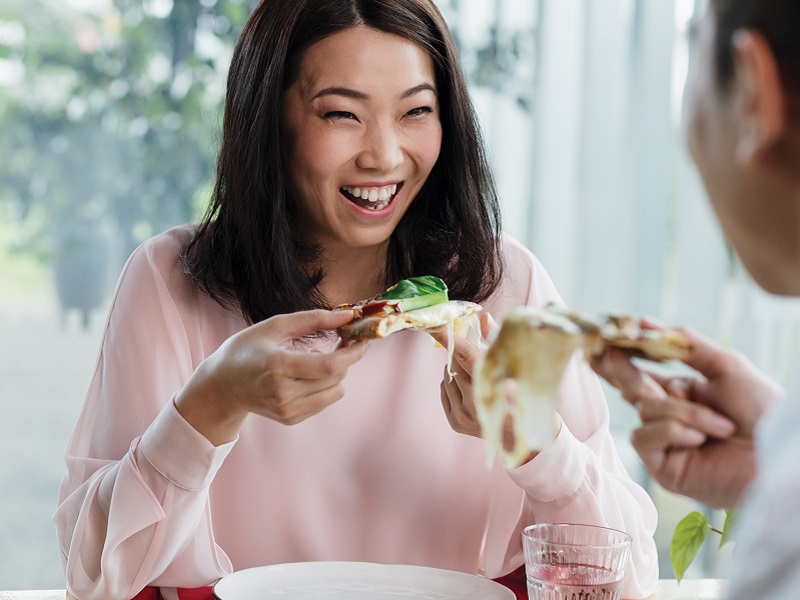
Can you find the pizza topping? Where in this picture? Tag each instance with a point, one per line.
(406, 295)
(519, 375)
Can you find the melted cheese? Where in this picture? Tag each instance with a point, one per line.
(468, 327)
(518, 378)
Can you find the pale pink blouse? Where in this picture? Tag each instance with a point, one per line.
(379, 476)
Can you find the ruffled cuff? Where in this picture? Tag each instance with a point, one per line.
(181, 453)
(556, 472)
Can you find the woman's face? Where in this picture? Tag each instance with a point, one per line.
(362, 132)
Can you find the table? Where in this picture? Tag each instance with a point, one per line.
(668, 589)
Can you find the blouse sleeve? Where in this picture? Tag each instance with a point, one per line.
(579, 478)
(133, 504)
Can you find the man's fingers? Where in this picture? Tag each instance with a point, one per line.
(688, 413)
(656, 437)
(616, 368)
(708, 357)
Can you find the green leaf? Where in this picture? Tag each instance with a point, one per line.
(416, 292)
(687, 538)
(731, 517)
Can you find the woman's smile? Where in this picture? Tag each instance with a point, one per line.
(362, 132)
(372, 198)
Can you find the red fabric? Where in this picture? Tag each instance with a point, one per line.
(514, 581)
(202, 593)
(148, 593)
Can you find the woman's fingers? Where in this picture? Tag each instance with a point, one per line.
(456, 396)
(283, 328)
(316, 365)
(465, 353)
(457, 393)
(463, 385)
(310, 404)
(488, 325)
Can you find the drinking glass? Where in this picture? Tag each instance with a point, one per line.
(565, 561)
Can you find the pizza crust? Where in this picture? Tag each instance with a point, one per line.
(625, 333)
(430, 318)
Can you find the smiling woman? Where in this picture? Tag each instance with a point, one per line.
(227, 427)
(363, 116)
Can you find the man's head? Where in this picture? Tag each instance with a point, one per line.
(776, 20)
(743, 129)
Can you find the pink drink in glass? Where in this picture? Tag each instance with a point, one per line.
(573, 582)
(565, 561)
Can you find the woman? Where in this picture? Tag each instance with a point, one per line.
(350, 159)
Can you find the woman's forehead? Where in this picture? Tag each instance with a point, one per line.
(361, 57)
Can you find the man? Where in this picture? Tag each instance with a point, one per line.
(699, 436)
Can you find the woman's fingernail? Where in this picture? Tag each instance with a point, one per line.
(722, 425)
(695, 437)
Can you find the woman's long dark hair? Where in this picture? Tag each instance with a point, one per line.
(247, 254)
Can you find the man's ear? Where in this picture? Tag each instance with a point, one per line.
(760, 99)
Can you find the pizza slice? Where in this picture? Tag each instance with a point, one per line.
(518, 377)
(626, 333)
(417, 303)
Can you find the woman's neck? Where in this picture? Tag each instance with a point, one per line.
(353, 275)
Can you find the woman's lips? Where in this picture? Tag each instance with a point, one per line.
(372, 198)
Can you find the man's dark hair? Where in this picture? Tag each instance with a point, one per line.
(247, 252)
(777, 20)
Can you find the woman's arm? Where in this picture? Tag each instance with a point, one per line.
(579, 478)
(133, 502)
(176, 379)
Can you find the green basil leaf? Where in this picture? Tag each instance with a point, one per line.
(687, 538)
(416, 292)
(727, 528)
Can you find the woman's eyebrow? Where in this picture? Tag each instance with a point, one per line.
(417, 89)
(356, 95)
(341, 91)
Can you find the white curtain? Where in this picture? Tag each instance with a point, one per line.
(582, 113)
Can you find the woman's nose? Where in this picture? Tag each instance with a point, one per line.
(382, 150)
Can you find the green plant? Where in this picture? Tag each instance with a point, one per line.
(690, 534)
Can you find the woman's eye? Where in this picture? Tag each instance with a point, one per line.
(420, 110)
(340, 114)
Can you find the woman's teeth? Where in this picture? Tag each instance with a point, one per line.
(376, 198)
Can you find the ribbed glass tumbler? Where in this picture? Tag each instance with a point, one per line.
(565, 561)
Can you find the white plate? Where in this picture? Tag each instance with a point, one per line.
(356, 581)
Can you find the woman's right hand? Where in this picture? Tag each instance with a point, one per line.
(258, 371)
(696, 432)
